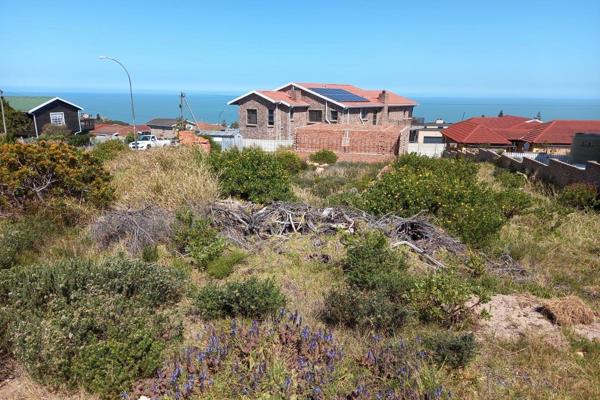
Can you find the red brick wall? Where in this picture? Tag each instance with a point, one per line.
(353, 143)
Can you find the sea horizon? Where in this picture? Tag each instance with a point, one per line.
(211, 106)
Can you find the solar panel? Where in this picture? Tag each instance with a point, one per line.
(338, 94)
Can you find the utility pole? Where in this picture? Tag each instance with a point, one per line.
(130, 90)
(2, 107)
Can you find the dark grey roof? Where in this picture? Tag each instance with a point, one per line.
(166, 122)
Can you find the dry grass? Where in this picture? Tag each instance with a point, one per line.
(528, 369)
(568, 311)
(167, 177)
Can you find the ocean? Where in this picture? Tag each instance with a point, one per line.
(212, 107)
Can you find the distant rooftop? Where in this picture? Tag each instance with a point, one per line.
(26, 103)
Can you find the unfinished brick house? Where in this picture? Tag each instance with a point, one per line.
(312, 116)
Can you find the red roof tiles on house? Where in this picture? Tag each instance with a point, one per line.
(560, 131)
(371, 95)
(471, 132)
(276, 96)
(117, 129)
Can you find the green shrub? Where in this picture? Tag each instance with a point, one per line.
(369, 260)
(195, 237)
(94, 325)
(80, 140)
(150, 253)
(252, 298)
(454, 350)
(323, 157)
(252, 174)
(109, 150)
(509, 180)
(447, 188)
(34, 173)
(513, 202)
(365, 310)
(290, 161)
(580, 195)
(222, 267)
(442, 296)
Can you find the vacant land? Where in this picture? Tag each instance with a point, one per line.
(161, 274)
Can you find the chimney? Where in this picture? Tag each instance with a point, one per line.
(384, 98)
(296, 94)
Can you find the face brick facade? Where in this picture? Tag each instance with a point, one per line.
(377, 123)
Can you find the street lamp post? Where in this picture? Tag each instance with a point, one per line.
(130, 90)
(2, 108)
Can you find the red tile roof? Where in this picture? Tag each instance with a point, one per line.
(560, 131)
(205, 126)
(371, 95)
(503, 130)
(471, 132)
(119, 130)
(277, 96)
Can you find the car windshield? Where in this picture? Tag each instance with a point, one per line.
(143, 138)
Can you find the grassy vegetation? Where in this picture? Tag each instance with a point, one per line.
(195, 317)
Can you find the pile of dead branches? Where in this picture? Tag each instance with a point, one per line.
(136, 228)
(243, 223)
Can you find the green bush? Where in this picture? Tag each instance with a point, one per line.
(365, 310)
(252, 174)
(150, 253)
(252, 298)
(109, 150)
(447, 188)
(323, 157)
(369, 260)
(80, 140)
(222, 267)
(290, 161)
(442, 296)
(580, 195)
(34, 173)
(100, 326)
(509, 180)
(454, 350)
(513, 202)
(195, 237)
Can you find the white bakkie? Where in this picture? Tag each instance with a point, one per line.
(145, 142)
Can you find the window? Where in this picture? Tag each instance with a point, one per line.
(333, 117)
(252, 117)
(291, 114)
(271, 117)
(315, 116)
(433, 139)
(374, 117)
(57, 118)
(414, 134)
(363, 114)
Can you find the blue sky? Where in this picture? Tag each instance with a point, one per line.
(430, 48)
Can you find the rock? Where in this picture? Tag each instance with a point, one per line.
(580, 354)
(588, 331)
(512, 317)
(319, 170)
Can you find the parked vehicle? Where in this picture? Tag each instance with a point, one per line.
(145, 142)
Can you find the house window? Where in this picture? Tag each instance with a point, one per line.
(251, 116)
(375, 117)
(57, 118)
(364, 114)
(333, 117)
(433, 139)
(315, 116)
(412, 138)
(271, 117)
(291, 114)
